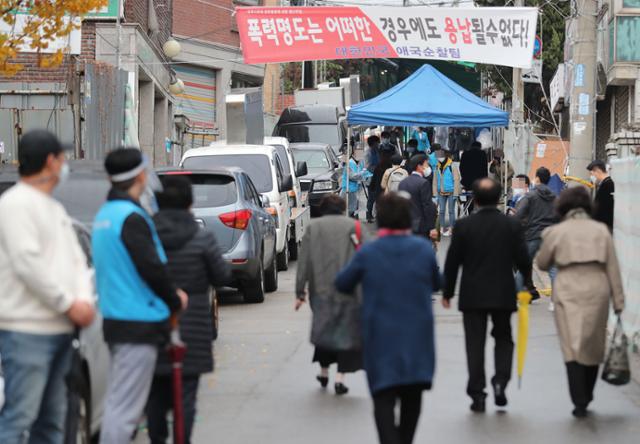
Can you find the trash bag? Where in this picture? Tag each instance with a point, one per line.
(616, 366)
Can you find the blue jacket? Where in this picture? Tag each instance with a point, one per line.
(398, 275)
(423, 140)
(124, 297)
(357, 174)
(444, 178)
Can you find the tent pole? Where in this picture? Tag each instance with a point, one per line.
(347, 166)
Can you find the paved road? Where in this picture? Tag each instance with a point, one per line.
(264, 391)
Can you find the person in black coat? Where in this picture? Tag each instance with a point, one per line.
(473, 165)
(196, 265)
(423, 210)
(605, 189)
(488, 245)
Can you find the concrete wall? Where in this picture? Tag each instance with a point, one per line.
(626, 174)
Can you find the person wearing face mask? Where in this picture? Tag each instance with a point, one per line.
(605, 189)
(423, 210)
(420, 134)
(446, 182)
(136, 293)
(519, 187)
(46, 291)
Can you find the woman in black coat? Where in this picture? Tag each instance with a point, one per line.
(195, 265)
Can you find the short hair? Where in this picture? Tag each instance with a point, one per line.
(385, 134)
(527, 181)
(486, 192)
(396, 159)
(436, 147)
(416, 160)
(373, 139)
(572, 198)
(332, 204)
(597, 164)
(394, 212)
(177, 193)
(476, 144)
(543, 174)
(413, 143)
(34, 149)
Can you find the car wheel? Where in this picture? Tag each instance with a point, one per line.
(78, 421)
(254, 289)
(283, 258)
(215, 317)
(294, 249)
(271, 277)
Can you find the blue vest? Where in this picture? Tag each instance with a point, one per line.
(445, 181)
(122, 294)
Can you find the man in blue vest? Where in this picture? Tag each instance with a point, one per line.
(136, 295)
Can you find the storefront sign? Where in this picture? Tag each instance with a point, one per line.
(557, 86)
(501, 36)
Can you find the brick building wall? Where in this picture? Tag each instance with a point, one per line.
(210, 21)
(137, 11)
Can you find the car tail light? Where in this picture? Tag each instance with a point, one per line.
(237, 219)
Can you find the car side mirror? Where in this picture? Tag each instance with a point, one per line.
(301, 169)
(286, 184)
(264, 199)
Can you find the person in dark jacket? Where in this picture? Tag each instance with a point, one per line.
(375, 186)
(328, 244)
(196, 265)
(605, 189)
(536, 212)
(473, 165)
(135, 292)
(423, 210)
(488, 245)
(398, 273)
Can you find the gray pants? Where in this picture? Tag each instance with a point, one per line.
(129, 382)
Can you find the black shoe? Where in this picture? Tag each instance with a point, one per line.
(341, 389)
(478, 405)
(323, 380)
(500, 397)
(579, 412)
(535, 294)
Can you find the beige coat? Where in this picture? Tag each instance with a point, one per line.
(588, 277)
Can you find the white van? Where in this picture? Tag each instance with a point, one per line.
(263, 166)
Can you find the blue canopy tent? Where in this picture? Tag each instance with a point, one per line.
(427, 98)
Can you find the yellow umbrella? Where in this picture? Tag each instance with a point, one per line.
(524, 299)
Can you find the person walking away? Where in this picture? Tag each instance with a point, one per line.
(375, 186)
(535, 212)
(357, 174)
(473, 165)
(412, 148)
(195, 265)
(327, 245)
(605, 189)
(423, 210)
(135, 293)
(373, 153)
(446, 182)
(46, 291)
(588, 278)
(398, 273)
(420, 134)
(501, 169)
(394, 175)
(488, 288)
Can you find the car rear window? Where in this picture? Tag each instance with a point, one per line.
(210, 191)
(257, 166)
(317, 161)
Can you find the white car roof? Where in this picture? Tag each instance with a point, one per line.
(218, 148)
(269, 140)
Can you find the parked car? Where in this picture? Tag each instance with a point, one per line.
(262, 164)
(82, 195)
(227, 203)
(300, 213)
(324, 171)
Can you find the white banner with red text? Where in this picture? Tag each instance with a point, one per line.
(499, 36)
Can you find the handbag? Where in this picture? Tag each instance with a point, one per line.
(616, 366)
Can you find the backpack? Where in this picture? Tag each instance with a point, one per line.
(397, 175)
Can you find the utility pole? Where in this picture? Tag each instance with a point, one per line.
(517, 100)
(583, 41)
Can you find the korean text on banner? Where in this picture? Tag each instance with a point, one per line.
(500, 36)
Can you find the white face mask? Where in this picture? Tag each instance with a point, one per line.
(441, 159)
(593, 179)
(63, 175)
(427, 172)
(518, 191)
